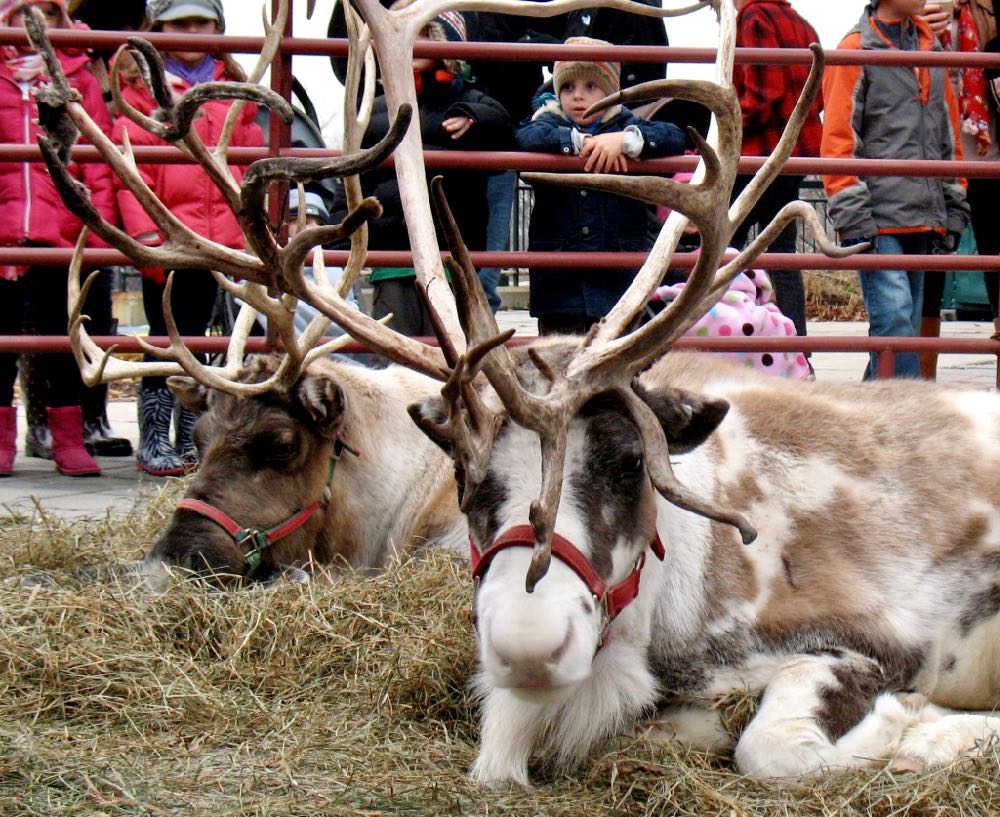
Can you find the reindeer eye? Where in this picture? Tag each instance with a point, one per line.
(634, 466)
(272, 449)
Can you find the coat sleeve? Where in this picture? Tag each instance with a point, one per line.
(849, 196)
(98, 177)
(492, 129)
(135, 219)
(660, 138)
(956, 204)
(546, 134)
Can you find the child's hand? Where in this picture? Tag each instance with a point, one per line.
(938, 17)
(458, 126)
(603, 153)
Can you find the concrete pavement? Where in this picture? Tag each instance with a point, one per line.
(37, 487)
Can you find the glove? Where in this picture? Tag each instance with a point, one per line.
(870, 239)
(945, 244)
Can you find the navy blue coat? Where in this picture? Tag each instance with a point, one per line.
(587, 220)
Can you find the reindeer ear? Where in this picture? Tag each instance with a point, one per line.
(324, 402)
(431, 417)
(688, 419)
(191, 394)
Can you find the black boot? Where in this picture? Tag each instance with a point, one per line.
(156, 454)
(37, 438)
(184, 421)
(97, 433)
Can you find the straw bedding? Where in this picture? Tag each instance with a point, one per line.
(342, 697)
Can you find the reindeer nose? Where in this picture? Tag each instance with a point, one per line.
(529, 658)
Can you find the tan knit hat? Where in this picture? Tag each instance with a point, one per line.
(603, 74)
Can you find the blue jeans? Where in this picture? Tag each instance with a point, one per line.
(500, 194)
(894, 299)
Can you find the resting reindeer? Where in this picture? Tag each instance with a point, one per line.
(305, 460)
(832, 548)
(868, 586)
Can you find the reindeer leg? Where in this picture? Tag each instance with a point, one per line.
(823, 712)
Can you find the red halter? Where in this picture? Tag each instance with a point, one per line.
(612, 600)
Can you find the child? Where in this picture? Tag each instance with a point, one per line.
(893, 112)
(35, 216)
(572, 300)
(189, 193)
(453, 116)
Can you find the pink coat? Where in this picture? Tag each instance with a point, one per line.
(746, 310)
(33, 212)
(184, 188)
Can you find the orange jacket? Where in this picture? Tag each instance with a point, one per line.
(891, 112)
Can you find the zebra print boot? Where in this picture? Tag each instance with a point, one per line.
(156, 454)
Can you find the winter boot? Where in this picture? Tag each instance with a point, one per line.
(8, 439)
(72, 459)
(183, 443)
(156, 455)
(929, 328)
(97, 433)
(37, 439)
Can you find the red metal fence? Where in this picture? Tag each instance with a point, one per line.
(281, 82)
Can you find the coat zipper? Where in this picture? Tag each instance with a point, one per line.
(26, 170)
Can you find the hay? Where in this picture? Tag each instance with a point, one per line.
(341, 697)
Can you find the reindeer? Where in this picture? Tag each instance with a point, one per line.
(832, 549)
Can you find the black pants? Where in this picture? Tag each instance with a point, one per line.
(982, 195)
(35, 304)
(789, 287)
(192, 300)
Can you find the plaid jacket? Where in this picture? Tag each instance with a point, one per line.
(768, 93)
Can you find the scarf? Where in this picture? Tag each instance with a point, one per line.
(193, 75)
(24, 67)
(972, 103)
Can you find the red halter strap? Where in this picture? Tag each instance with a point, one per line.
(261, 539)
(613, 600)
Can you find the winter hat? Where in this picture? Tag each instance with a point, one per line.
(602, 73)
(314, 205)
(10, 6)
(163, 11)
(449, 27)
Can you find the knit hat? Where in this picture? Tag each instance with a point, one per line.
(10, 6)
(605, 75)
(314, 205)
(449, 27)
(163, 11)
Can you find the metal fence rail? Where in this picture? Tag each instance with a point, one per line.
(518, 258)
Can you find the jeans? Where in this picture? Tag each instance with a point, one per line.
(894, 299)
(500, 194)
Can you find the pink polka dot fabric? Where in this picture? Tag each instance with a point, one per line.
(746, 310)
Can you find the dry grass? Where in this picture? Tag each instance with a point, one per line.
(345, 697)
(833, 295)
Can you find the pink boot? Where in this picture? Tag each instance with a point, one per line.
(8, 439)
(72, 459)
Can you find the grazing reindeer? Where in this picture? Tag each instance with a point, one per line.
(832, 548)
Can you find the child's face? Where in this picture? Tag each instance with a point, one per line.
(895, 10)
(189, 25)
(576, 96)
(51, 14)
(421, 64)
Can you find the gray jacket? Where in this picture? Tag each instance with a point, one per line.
(891, 112)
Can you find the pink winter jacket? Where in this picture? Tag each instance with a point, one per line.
(184, 188)
(32, 211)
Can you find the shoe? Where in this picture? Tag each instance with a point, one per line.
(100, 440)
(184, 421)
(156, 454)
(38, 441)
(8, 439)
(71, 458)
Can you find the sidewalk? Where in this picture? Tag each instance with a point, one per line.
(36, 483)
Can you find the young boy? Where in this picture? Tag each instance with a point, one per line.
(893, 112)
(572, 300)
